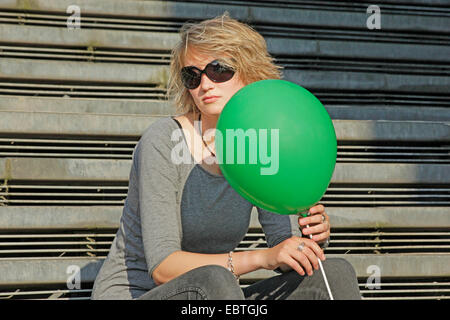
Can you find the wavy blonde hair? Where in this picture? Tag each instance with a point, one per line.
(236, 44)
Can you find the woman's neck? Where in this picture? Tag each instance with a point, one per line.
(207, 122)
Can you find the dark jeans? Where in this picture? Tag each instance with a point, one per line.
(217, 283)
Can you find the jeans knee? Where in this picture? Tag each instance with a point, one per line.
(217, 282)
(317, 292)
(343, 279)
(213, 273)
(341, 267)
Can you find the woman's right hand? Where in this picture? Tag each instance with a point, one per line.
(287, 253)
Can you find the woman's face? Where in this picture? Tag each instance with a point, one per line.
(210, 97)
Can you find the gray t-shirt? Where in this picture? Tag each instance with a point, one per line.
(172, 207)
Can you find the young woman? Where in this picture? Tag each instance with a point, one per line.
(182, 221)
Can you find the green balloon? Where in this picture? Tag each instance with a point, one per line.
(276, 146)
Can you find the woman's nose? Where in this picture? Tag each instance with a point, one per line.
(206, 83)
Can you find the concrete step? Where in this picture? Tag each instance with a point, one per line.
(55, 270)
(51, 123)
(29, 218)
(48, 169)
(90, 74)
(45, 38)
(394, 19)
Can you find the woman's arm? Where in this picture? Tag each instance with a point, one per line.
(180, 262)
(282, 255)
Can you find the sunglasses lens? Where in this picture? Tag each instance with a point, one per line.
(215, 71)
(191, 79)
(218, 72)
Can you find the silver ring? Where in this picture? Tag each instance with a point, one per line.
(301, 246)
(325, 244)
(323, 218)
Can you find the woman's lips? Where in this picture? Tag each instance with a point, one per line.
(210, 99)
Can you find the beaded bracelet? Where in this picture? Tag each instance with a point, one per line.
(230, 265)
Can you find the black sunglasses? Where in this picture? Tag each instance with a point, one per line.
(215, 71)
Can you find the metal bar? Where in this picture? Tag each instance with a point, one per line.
(53, 243)
(385, 203)
(52, 235)
(79, 86)
(382, 160)
(381, 248)
(382, 291)
(409, 298)
(74, 187)
(78, 202)
(86, 51)
(81, 58)
(86, 148)
(367, 248)
(386, 234)
(39, 292)
(51, 250)
(383, 196)
(66, 155)
(393, 189)
(406, 284)
(54, 194)
(368, 147)
(64, 141)
(362, 241)
(85, 93)
(403, 154)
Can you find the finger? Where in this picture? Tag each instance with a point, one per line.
(319, 228)
(317, 237)
(294, 265)
(321, 236)
(313, 219)
(317, 209)
(315, 247)
(310, 254)
(303, 259)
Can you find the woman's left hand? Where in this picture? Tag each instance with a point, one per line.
(319, 224)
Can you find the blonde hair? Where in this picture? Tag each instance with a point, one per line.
(236, 44)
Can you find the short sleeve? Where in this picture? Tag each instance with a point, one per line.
(158, 189)
(277, 227)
